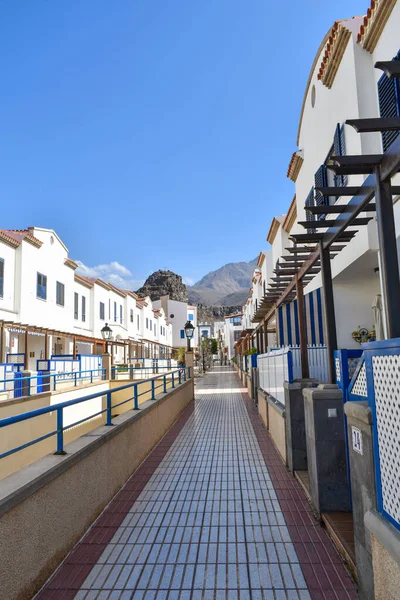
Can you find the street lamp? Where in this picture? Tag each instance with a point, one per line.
(106, 334)
(189, 332)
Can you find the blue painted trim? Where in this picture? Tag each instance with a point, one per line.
(382, 345)
(320, 319)
(281, 332)
(290, 366)
(350, 395)
(289, 324)
(296, 324)
(312, 319)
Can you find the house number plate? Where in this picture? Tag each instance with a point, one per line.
(357, 440)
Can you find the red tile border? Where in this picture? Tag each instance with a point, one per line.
(323, 570)
(71, 574)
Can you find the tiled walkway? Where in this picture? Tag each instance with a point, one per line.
(211, 515)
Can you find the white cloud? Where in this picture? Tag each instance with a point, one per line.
(112, 272)
(188, 281)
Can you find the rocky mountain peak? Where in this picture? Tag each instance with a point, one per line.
(163, 283)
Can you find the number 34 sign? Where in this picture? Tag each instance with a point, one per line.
(357, 440)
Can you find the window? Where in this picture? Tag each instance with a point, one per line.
(388, 93)
(76, 305)
(60, 289)
(151, 325)
(109, 310)
(138, 322)
(83, 308)
(182, 334)
(191, 316)
(1, 277)
(131, 315)
(41, 286)
(389, 104)
(115, 312)
(147, 323)
(102, 311)
(236, 335)
(120, 314)
(155, 329)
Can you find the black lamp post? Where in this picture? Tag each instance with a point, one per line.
(106, 334)
(189, 332)
(204, 337)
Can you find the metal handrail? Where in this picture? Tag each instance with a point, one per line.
(183, 373)
(57, 377)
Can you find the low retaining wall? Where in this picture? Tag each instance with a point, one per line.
(385, 542)
(273, 416)
(46, 507)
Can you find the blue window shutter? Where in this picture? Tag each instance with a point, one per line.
(389, 105)
(339, 149)
(182, 334)
(310, 201)
(321, 180)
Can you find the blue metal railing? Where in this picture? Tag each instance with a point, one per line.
(184, 374)
(130, 370)
(46, 382)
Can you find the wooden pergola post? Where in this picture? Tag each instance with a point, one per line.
(74, 347)
(46, 346)
(329, 313)
(305, 370)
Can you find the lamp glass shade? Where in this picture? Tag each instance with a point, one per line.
(189, 330)
(106, 332)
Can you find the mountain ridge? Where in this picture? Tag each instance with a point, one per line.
(229, 285)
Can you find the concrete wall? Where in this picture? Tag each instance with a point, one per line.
(56, 499)
(362, 473)
(273, 417)
(385, 542)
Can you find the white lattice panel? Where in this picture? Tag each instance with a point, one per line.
(360, 385)
(337, 367)
(386, 371)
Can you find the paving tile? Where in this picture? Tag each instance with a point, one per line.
(211, 514)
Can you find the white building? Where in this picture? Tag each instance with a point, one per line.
(205, 330)
(233, 328)
(178, 313)
(46, 308)
(343, 84)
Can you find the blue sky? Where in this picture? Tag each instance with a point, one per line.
(154, 133)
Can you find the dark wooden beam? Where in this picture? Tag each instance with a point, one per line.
(299, 260)
(376, 124)
(390, 67)
(326, 223)
(290, 265)
(304, 249)
(336, 209)
(357, 160)
(338, 191)
(353, 170)
(346, 236)
(388, 255)
(329, 311)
